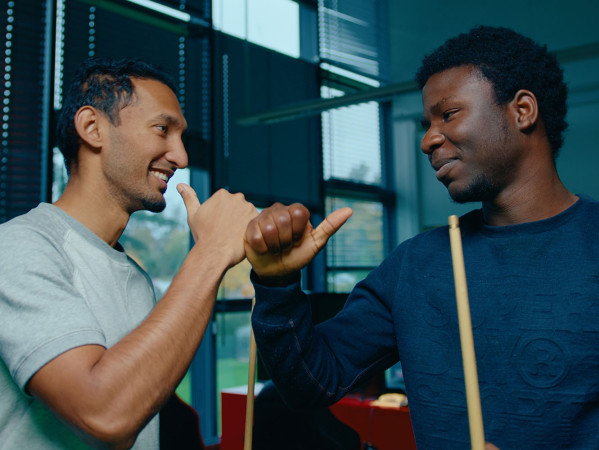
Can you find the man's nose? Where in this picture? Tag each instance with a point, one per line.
(177, 154)
(432, 140)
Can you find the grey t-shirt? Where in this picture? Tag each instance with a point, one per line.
(61, 287)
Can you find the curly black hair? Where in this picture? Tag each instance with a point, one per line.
(510, 62)
(105, 84)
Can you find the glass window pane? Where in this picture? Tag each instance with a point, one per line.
(351, 141)
(184, 388)
(232, 352)
(394, 380)
(236, 283)
(275, 25)
(344, 280)
(229, 16)
(353, 34)
(59, 174)
(360, 242)
(272, 24)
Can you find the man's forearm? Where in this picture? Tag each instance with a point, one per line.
(125, 385)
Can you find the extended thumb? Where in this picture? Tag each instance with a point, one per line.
(331, 224)
(189, 196)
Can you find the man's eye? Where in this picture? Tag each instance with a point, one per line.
(162, 128)
(447, 114)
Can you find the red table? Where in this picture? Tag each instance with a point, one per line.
(385, 429)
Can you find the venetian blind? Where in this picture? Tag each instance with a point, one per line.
(353, 36)
(23, 167)
(353, 40)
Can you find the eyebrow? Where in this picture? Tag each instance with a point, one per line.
(435, 109)
(171, 120)
(440, 104)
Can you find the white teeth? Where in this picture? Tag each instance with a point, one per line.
(159, 175)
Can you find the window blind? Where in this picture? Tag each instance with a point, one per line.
(22, 167)
(351, 142)
(353, 35)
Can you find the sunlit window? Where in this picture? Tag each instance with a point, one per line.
(272, 24)
(358, 246)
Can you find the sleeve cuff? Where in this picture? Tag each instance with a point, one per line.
(276, 305)
(275, 282)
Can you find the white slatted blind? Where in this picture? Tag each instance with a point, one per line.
(353, 35)
(351, 142)
(353, 40)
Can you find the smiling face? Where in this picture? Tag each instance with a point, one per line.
(146, 148)
(471, 141)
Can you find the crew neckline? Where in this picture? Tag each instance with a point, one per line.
(537, 226)
(117, 251)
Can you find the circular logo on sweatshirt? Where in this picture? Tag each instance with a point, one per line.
(542, 363)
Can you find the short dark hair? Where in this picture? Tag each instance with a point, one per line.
(510, 62)
(105, 84)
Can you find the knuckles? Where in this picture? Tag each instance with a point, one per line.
(277, 228)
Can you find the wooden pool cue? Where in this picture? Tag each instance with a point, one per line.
(249, 405)
(475, 417)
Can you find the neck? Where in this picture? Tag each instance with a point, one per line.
(528, 203)
(94, 211)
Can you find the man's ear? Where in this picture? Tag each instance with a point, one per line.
(526, 110)
(88, 126)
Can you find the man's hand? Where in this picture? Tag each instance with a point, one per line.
(112, 393)
(281, 240)
(219, 223)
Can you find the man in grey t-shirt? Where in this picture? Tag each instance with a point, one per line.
(86, 357)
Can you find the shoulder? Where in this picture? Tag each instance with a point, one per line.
(588, 203)
(580, 220)
(582, 215)
(40, 225)
(32, 241)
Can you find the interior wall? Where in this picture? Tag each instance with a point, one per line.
(568, 28)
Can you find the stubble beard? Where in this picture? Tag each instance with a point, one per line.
(481, 189)
(138, 201)
(153, 205)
